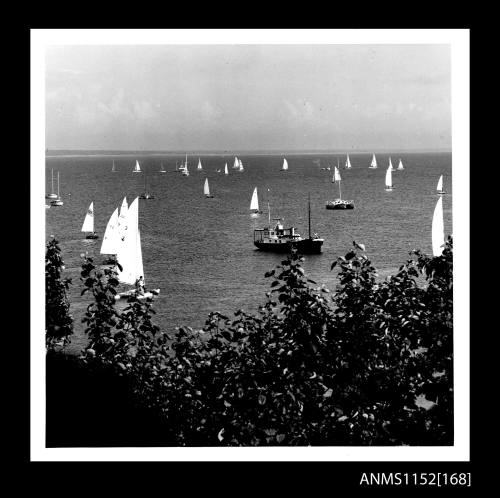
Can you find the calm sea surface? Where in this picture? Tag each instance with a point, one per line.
(200, 251)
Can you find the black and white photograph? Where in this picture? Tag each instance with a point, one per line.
(249, 244)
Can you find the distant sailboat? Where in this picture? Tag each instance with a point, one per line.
(52, 195)
(146, 194)
(185, 171)
(391, 166)
(339, 203)
(58, 201)
(254, 203)
(438, 229)
(400, 165)
(440, 190)
(111, 238)
(388, 179)
(240, 165)
(113, 168)
(162, 169)
(373, 164)
(347, 163)
(88, 223)
(236, 164)
(137, 167)
(206, 189)
(226, 172)
(199, 168)
(285, 165)
(130, 257)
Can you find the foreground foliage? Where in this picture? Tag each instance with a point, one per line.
(368, 364)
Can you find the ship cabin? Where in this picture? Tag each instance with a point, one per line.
(275, 235)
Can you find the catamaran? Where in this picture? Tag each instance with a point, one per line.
(58, 201)
(88, 223)
(52, 195)
(130, 258)
(388, 179)
(339, 203)
(206, 189)
(347, 163)
(137, 167)
(438, 229)
(254, 203)
(285, 165)
(440, 190)
(199, 168)
(400, 165)
(373, 164)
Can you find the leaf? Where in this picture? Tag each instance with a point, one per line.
(350, 255)
(328, 393)
(280, 438)
(334, 264)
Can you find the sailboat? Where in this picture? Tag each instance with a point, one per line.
(339, 203)
(122, 220)
(206, 189)
(199, 168)
(254, 203)
(438, 229)
(240, 165)
(146, 195)
(226, 172)
(400, 165)
(373, 164)
(285, 165)
(388, 179)
(236, 164)
(130, 258)
(184, 169)
(439, 187)
(391, 166)
(137, 167)
(88, 223)
(162, 169)
(111, 238)
(52, 195)
(113, 168)
(58, 201)
(347, 163)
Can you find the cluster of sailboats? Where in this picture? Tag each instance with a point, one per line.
(55, 199)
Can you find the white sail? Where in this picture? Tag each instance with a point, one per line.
(285, 165)
(206, 189)
(122, 219)
(137, 167)
(390, 164)
(240, 165)
(440, 184)
(400, 165)
(336, 175)
(374, 162)
(111, 238)
(88, 222)
(162, 168)
(348, 163)
(388, 177)
(438, 228)
(236, 163)
(226, 172)
(113, 168)
(254, 203)
(129, 252)
(199, 164)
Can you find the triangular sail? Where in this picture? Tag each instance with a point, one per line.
(240, 165)
(137, 167)
(438, 228)
(400, 165)
(388, 177)
(285, 165)
(122, 218)
(113, 169)
(199, 164)
(440, 184)
(88, 222)
(236, 163)
(226, 172)
(111, 237)
(374, 162)
(130, 254)
(348, 163)
(390, 164)
(254, 203)
(206, 189)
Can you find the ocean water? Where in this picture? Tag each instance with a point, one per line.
(200, 251)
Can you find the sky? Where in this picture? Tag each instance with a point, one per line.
(248, 97)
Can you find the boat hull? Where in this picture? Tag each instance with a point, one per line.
(131, 293)
(304, 246)
(92, 236)
(338, 204)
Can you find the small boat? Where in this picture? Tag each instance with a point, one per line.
(373, 164)
(206, 190)
(52, 195)
(88, 223)
(438, 229)
(130, 258)
(388, 179)
(137, 167)
(240, 166)
(218, 170)
(285, 165)
(400, 165)
(279, 239)
(58, 201)
(347, 163)
(184, 169)
(226, 172)
(162, 169)
(113, 168)
(236, 163)
(199, 168)
(111, 238)
(146, 194)
(254, 203)
(439, 187)
(339, 203)
(391, 166)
